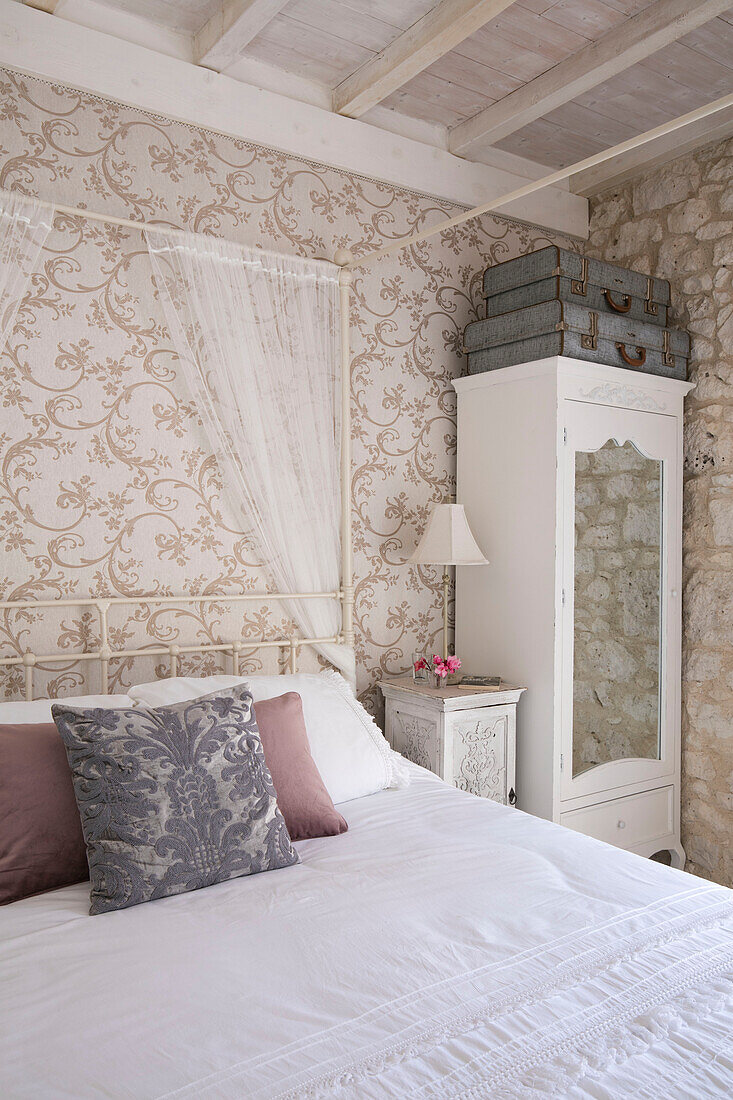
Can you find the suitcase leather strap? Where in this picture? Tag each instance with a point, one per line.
(580, 286)
(667, 354)
(589, 341)
(650, 306)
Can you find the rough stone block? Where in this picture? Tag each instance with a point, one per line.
(665, 188)
(691, 201)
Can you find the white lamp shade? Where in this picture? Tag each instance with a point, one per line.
(447, 539)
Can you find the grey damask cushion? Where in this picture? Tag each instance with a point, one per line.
(172, 798)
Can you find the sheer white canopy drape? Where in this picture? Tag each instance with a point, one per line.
(24, 226)
(257, 335)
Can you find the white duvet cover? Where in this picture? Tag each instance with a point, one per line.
(444, 947)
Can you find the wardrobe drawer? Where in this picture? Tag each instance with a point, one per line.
(628, 821)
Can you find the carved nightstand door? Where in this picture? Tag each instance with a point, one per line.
(467, 737)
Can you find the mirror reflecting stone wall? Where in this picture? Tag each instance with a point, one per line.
(618, 497)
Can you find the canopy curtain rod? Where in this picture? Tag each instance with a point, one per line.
(129, 223)
(344, 259)
(547, 181)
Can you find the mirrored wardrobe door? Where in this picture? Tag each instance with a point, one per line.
(615, 579)
(617, 605)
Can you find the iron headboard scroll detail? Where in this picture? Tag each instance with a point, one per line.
(104, 653)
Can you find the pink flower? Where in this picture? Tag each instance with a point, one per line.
(447, 667)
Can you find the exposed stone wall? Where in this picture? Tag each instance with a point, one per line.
(677, 222)
(616, 674)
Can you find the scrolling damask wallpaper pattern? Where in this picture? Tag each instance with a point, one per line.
(106, 483)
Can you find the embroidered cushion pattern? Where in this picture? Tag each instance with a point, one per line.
(173, 798)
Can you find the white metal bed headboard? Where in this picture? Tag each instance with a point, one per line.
(104, 654)
(234, 648)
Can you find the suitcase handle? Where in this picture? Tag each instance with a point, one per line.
(629, 359)
(625, 305)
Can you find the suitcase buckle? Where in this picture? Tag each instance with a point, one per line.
(580, 286)
(590, 341)
(667, 355)
(649, 305)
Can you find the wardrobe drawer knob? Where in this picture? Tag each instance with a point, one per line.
(620, 824)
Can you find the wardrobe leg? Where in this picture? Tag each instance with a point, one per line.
(677, 857)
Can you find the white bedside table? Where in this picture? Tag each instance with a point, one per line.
(467, 736)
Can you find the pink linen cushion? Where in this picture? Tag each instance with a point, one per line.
(41, 842)
(301, 793)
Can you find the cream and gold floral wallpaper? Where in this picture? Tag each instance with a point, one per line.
(106, 483)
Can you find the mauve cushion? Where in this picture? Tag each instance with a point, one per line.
(301, 793)
(41, 842)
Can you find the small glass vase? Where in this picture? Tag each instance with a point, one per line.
(440, 683)
(421, 673)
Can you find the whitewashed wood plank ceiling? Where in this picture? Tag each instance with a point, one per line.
(547, 81)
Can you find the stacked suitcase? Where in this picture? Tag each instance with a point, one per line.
(557, 302)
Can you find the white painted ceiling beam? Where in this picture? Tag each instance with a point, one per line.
(629, 166)
(653, 28)
(222, 40)
(439, 31)
(168, 86)
(126, 25)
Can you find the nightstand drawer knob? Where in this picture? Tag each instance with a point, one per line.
(620, 824)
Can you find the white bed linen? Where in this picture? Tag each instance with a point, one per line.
(350, 751)
(445, 946)
(39, 710)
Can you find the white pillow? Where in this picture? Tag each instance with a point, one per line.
(27, 714)
(351, 754)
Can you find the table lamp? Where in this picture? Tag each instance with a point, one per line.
(447, 540)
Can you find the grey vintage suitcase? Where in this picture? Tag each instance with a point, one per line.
(557, 273)
(563, 328)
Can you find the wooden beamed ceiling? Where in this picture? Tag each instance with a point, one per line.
(634, 40)
(225, 36)
(446, 25)
(485, 79)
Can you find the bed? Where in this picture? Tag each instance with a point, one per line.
(445, 946)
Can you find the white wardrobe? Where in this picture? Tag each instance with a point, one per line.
(571, 475)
